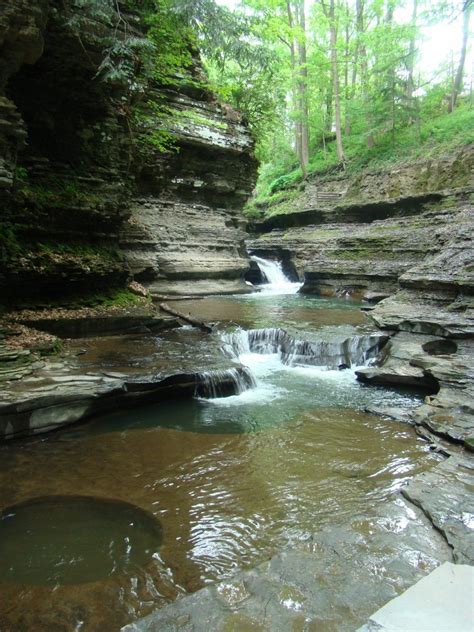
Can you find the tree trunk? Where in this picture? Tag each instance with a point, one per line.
(303, 90)
(363, 68)
(411, 59)
(335, 81)
(295, 86)
(347, 87)
(186, 317)
(457, 85)
(329, 110)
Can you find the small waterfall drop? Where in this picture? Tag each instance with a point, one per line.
(353, 351)
(223, 383)
(272, 271)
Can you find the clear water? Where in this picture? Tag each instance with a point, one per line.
(230, 480)
(326, 316)
(60, 540)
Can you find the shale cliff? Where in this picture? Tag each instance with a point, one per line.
(81, 209)
(400, 238)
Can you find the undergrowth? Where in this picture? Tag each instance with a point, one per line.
(433, 137)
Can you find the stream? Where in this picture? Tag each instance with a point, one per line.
(187, 492)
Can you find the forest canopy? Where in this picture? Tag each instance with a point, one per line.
(323, 84)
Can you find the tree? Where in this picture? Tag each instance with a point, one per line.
(457, 84)
(411, 55)
(330, 13)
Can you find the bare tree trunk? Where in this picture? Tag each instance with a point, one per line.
(411, 59)
(303, 90)
(363, 67)
(347, 87)
(335, 80)
(186, 317)
(329, 109)
(295, 85)
(457, 85)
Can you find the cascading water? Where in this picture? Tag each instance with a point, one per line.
(350, 352)
(277, 282)
(224, 383)
(273, 358)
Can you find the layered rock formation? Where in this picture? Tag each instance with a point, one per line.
(185, 234)
(416, 252)
(69, 167)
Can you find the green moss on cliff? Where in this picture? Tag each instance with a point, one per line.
(57, 192)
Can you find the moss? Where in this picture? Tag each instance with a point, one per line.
(79, 250)
(324, 234)
(199, 119)
(9, 243)
(283, 202)
(54, 349)
(120, 298)
(365, 254)
(54, 192)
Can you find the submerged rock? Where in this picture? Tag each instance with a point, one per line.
(335, 581)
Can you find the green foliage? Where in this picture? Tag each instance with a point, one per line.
(52, 349)
(57, 192)
(388, 106)
(149, 137)
(21, 174)
(117, 298)
(9, 243)
(191, 116)
(433, 137)
(285, 181)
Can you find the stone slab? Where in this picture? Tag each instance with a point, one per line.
(330, 583)
(441, 602)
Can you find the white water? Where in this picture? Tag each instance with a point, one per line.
(356, 350)
(282, 385)
(214, 384)
(278, 283)
(260, 351)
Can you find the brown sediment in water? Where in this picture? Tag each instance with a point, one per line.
(275, 311)
(224, 501)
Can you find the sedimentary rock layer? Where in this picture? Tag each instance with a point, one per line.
(419, 260)
(70, 164)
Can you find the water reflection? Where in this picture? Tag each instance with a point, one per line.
(231, 480)
(299, 312)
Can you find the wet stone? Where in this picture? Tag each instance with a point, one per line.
(333, 582)
(445, 495)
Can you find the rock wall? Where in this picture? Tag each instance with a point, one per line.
(419, 265)
(363, 242)
(74, 189)
(186, 234)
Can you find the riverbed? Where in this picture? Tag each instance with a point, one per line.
(229, 481)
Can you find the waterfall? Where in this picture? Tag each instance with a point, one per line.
(222, 383)
(277, 282)
(261, 351)
(352, 351)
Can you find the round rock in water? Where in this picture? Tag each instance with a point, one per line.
(60, 540)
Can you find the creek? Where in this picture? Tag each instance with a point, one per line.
(229, 480)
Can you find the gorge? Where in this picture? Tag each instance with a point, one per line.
(297, 467)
